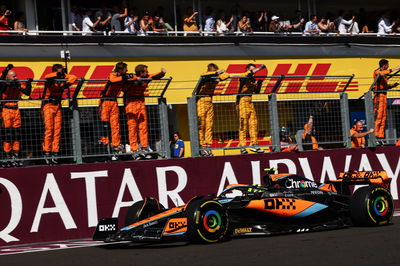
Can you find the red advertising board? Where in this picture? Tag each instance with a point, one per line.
(51, 203)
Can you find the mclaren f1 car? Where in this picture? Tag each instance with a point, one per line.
(284, 203)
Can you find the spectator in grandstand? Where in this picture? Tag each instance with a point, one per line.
(52, 110)
(286, 141)
(324, 25)
(353, 28)
(357, 135)
(177, 146)
(135, 108)
(344, 25)
(116, 17)
(209, 25)
(105, 19)
(244, 24)
(309, 136)
(259, 21)
(298, 20)
(87, 24)
(205, 107)
(274, 25)
(109, 112)
(384, 26)
(223, 25)
(131, 22)
(77, 19)
(380, 98)
(159, 24)
(10, 92)
(146, 24)
(189, 20)
(4, 18)
(311, 26)
(247, 113)
(19, 23)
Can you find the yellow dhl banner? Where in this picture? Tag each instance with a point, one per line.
(186, 71)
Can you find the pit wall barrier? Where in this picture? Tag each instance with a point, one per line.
(42, 204)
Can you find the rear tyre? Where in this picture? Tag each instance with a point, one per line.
(371, 206)
(207, 221)
(143, 209)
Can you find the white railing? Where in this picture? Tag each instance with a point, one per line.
(182, 33)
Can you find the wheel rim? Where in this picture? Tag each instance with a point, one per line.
(212, 221)
(380, 206)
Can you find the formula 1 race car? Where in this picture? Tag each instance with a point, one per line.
(285, 203)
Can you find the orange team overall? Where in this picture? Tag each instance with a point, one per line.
(10, 93)
(52, 109)
(135, 107)
(109, 112)
(247, 112)
(205, 107)
(380, 98)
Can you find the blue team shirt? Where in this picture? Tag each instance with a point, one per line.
(176, 147)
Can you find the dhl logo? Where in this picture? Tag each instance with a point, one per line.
(92, 89)
(292, 83)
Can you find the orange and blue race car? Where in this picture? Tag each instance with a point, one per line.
(284, 203)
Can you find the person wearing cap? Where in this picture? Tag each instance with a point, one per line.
(274, 25)
(312, 26)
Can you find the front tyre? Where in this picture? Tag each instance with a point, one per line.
(207, 221)
(371, 206)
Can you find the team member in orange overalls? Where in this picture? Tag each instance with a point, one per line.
(52, 110)
(380, 98)
(109, 112)
(309, 136)
(205, 107)
(247, 112)
(358, 136)
(10, 93)
(135, 108)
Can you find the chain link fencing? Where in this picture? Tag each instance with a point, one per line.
(81, 124)
(270, 118)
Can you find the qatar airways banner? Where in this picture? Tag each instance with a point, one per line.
(41, 204)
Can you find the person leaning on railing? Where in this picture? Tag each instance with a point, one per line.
(52, 110)
(10, 93)
(108, 108)
(4, 14)
(135, 108)
(380, 98)
(247, 113)
(189, 20)
(205, 107)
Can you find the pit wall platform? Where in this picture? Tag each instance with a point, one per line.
(53, 203)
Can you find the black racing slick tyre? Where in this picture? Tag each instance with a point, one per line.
(207, 221)
(142, 209)
(371, 206)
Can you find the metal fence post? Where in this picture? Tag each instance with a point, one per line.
(193, 126)
(274, 121)
(76, 133)
(163, 113)
(344, 113)
(369, 114)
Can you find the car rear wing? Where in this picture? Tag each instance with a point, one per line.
(379, 178)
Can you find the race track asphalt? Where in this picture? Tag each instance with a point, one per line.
(350, 246)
